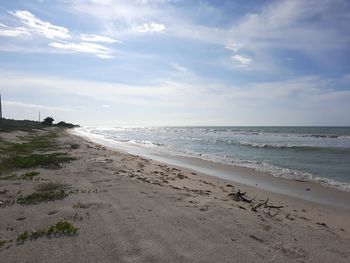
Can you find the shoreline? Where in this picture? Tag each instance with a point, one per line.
(316, 165)
(128, 208)
(292, 204)
(311, 191)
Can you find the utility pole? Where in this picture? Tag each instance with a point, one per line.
(39, 116)
(0, 108)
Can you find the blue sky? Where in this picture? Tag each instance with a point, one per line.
(176, 62)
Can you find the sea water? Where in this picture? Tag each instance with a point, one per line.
(299, 153)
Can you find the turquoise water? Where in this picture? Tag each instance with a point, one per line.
(304, 153)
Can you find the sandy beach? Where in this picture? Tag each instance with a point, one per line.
(131, 209)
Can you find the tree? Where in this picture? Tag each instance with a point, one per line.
(48, 121)
(65, 125)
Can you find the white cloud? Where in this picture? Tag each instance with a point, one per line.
(110, 11)
(152, 2)
(186, 29)
(282, 27)
(301, 101)
(150, 27)
(284, 24)
(90, 48)
(123, 18)
(35, 106)
(179, 68)
(243, 61)
(293, 25)
(91, 42)
(98, 38)
(106, 106)
(38, 26)
(7, 31)
(232, 46)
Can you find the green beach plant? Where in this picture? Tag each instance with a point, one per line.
(52, 161)
(8, 177)
(29, 175)
(25, 176)
(4, 242)
(61, 228)
(45, 193)
(80, 205)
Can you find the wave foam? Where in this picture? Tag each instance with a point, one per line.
(257, 166)
(281, 172)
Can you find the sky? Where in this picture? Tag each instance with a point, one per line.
(176, 62)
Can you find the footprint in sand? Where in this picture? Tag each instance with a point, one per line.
(52, 212)
(204, 209)
(266, 227)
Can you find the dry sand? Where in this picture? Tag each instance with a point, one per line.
(138, 210)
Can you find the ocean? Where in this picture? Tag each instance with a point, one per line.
(319, 154)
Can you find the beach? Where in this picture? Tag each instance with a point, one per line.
(129, 208)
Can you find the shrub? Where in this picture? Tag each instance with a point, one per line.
(66, 125)
(48, 121)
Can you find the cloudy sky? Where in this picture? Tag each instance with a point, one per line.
(176, 62)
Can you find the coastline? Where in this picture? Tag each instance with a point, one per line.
(296, 194)
(301, 154)
(301, 189)
(136, 209)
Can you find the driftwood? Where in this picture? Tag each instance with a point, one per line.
(272, 206)
(255, 208)
(240, 196)
(270, 214)
(270, 210)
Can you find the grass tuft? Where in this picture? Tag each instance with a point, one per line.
(23, 237)
(8, 177)
(61, 228)
(25, 176)
(4, 242)
(52, 160)
(34, 143)
(45, 193)
(80, 205)
(29, 175)
(15, 125)
(30, 153)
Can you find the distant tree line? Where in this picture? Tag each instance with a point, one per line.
(48, 121)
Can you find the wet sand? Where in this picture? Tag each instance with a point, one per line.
(133, 209)
(305, 190)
